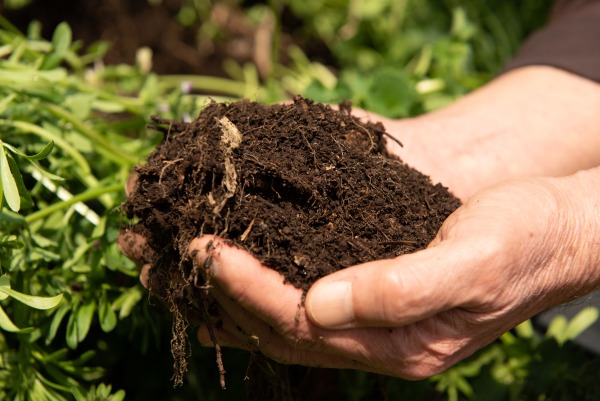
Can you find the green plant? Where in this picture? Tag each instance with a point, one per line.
(70, 130)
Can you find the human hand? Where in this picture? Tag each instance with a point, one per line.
(507, 254)
(531, 121)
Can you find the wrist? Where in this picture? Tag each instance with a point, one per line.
(575, 263)
(583, 192)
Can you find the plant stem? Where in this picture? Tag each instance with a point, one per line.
(82, 197)
(61, 143)
(115, 154)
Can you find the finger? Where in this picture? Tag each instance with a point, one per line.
(148, 281)
(145, 276)
(275, 318)
(134, 246)
(392, 293)
(413, 351)
(131, 182)
(240, 329)
(235, 271)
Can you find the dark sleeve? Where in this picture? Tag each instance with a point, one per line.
(570, 40)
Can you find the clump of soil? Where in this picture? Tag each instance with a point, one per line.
(305, 188)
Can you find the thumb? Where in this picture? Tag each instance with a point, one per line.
(391, 293)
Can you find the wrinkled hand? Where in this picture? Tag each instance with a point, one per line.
(510, 252)
(507, 254)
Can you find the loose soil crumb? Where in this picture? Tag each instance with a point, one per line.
(305, 188)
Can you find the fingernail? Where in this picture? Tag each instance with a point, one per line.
(131, 182)
(205, 249)
(330, 305)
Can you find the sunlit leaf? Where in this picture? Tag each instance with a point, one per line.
(118, 396)
(4, 282)
(77, 394)
(557, 328)
(126, 301)
(391, 93)
(42, 154)
(33, 301)
(581, 322)
(7, 325)
(85, 314)
(4, 103)
(9, 184)
(525, 329)
(24, 197)
(61, 41)
(464, 386)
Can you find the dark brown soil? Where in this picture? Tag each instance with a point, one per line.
(305, 188)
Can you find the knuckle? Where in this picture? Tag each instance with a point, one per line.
(298, 338)
(427, 365)
(395, 306)
(430, 356)
(404, 293)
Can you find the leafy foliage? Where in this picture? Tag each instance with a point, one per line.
(70, 130)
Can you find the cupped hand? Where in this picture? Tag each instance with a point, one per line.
(508, 253)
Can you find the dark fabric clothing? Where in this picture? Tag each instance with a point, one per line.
(570, 40)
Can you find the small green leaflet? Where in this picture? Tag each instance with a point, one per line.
(7, 325)
(9, 184)
(42, 154)
(61, 41)
(106, 315)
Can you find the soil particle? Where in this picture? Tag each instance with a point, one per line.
(305, 188)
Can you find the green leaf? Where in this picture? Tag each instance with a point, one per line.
(79, 323)
(463, 385)
(391, 93)
(582, 321)
(77, 394)
(71, 334)
(7, 325)
(61, 41)
(4, 282)
(11, 244)
(126, 301)
(80, 104)
(33, 301)
(9, 184)
(106, 315)
(82, 359)
(118, 396)
(557, 328)
(85, 314)
(24, 197)
(38, 156)
(4, 103)
(369, 9)
(525, 329)
(57, 319)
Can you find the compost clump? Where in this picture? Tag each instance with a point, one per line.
(306, 188)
